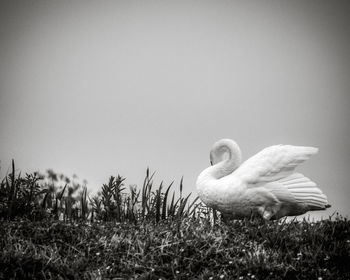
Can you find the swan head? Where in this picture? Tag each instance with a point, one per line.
(225, 149)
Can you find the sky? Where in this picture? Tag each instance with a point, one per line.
(100, 88)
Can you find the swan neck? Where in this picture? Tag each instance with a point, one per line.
(226, 167)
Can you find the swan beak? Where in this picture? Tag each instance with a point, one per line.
(211, 163)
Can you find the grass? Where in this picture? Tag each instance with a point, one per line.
(57, 197)
(186, 249)
(143, 234)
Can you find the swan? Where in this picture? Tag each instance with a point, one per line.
(265, 184)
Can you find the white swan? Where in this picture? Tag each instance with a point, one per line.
(265, 184)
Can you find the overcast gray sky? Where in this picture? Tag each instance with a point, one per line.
(105, 87)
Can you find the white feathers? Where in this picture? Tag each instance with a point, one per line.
(274, 163)
(304, 191)
(264, 184)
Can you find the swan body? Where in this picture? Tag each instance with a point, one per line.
(265, 184)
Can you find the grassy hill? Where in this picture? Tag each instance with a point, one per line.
(183, 249)
(51, 229)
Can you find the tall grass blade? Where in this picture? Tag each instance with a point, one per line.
(158, 199)
(12, 187)
(182, 207)
(165, 201)
(181, 186)
(171, 209)
(84, 204)
(192, 206)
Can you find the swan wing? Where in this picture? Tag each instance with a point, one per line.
(296, 194)
(273, 163)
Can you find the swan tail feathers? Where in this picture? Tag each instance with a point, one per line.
(305, 192)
